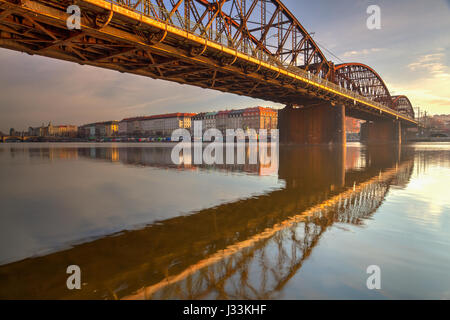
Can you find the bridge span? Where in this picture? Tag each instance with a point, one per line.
(254, 48)
(15, 138)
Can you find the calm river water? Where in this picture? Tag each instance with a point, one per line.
(305, 227)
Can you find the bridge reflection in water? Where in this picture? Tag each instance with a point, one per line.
(248, 249)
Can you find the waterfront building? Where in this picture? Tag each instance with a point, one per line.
(123, 128)
(134, 126)
(105, 129)
(251, 118)
(53, 131)
(222, 120)
(260, 118)
(208, 120)
(235, 119)
(199, 117)
(87, 130)
(108, 128)
(157, 125)
(163, 125)
(64, 131)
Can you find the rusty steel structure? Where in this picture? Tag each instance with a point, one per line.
(403, 105)
(254, 48)
(364, 80)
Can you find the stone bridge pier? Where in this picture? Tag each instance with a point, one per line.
(315, 124)
(382, 131)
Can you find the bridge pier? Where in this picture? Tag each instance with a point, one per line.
(381, 132)
(319, 124)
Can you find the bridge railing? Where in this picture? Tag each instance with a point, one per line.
(148, 9)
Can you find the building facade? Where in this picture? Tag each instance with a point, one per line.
(235, 119)
(208, 120)
(251, 118)
(53, 131)
(155, 126)
(105, 129)
(165, 124)
(222, 120)
(260, 118)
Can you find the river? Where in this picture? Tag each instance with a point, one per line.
(306, 227)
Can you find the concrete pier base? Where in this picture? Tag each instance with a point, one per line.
(315, 125)
(381, 132)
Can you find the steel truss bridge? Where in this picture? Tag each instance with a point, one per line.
(254, 48)
(15, 138)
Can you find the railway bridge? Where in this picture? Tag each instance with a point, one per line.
(254, 48)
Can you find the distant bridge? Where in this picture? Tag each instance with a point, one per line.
(254, 48)
(15, 138)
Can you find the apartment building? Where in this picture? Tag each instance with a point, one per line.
(251, 118)
(99, 129)
(260, 118)
(161, 125)
(222, 120)
(208, 120)
(53, 131)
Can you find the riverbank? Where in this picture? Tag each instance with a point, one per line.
(429, 139)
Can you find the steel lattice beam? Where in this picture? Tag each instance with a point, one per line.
(254, 48)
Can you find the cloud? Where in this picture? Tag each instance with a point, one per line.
(362, 53)
(431, 63)
(427, 86)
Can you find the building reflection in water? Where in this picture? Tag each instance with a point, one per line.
(248, 249)
(160, 157)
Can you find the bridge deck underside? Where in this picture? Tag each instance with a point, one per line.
(38, 27)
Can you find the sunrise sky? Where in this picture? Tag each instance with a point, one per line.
(410, 52)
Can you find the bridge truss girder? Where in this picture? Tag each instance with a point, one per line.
(250, 25)
(403, 105)
(117, 40)
(363, 80)
(121, 45)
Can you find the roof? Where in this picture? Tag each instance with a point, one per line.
(160, 116)
(240, 111)
(223, 112)
(260, 109)
(100, 123)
